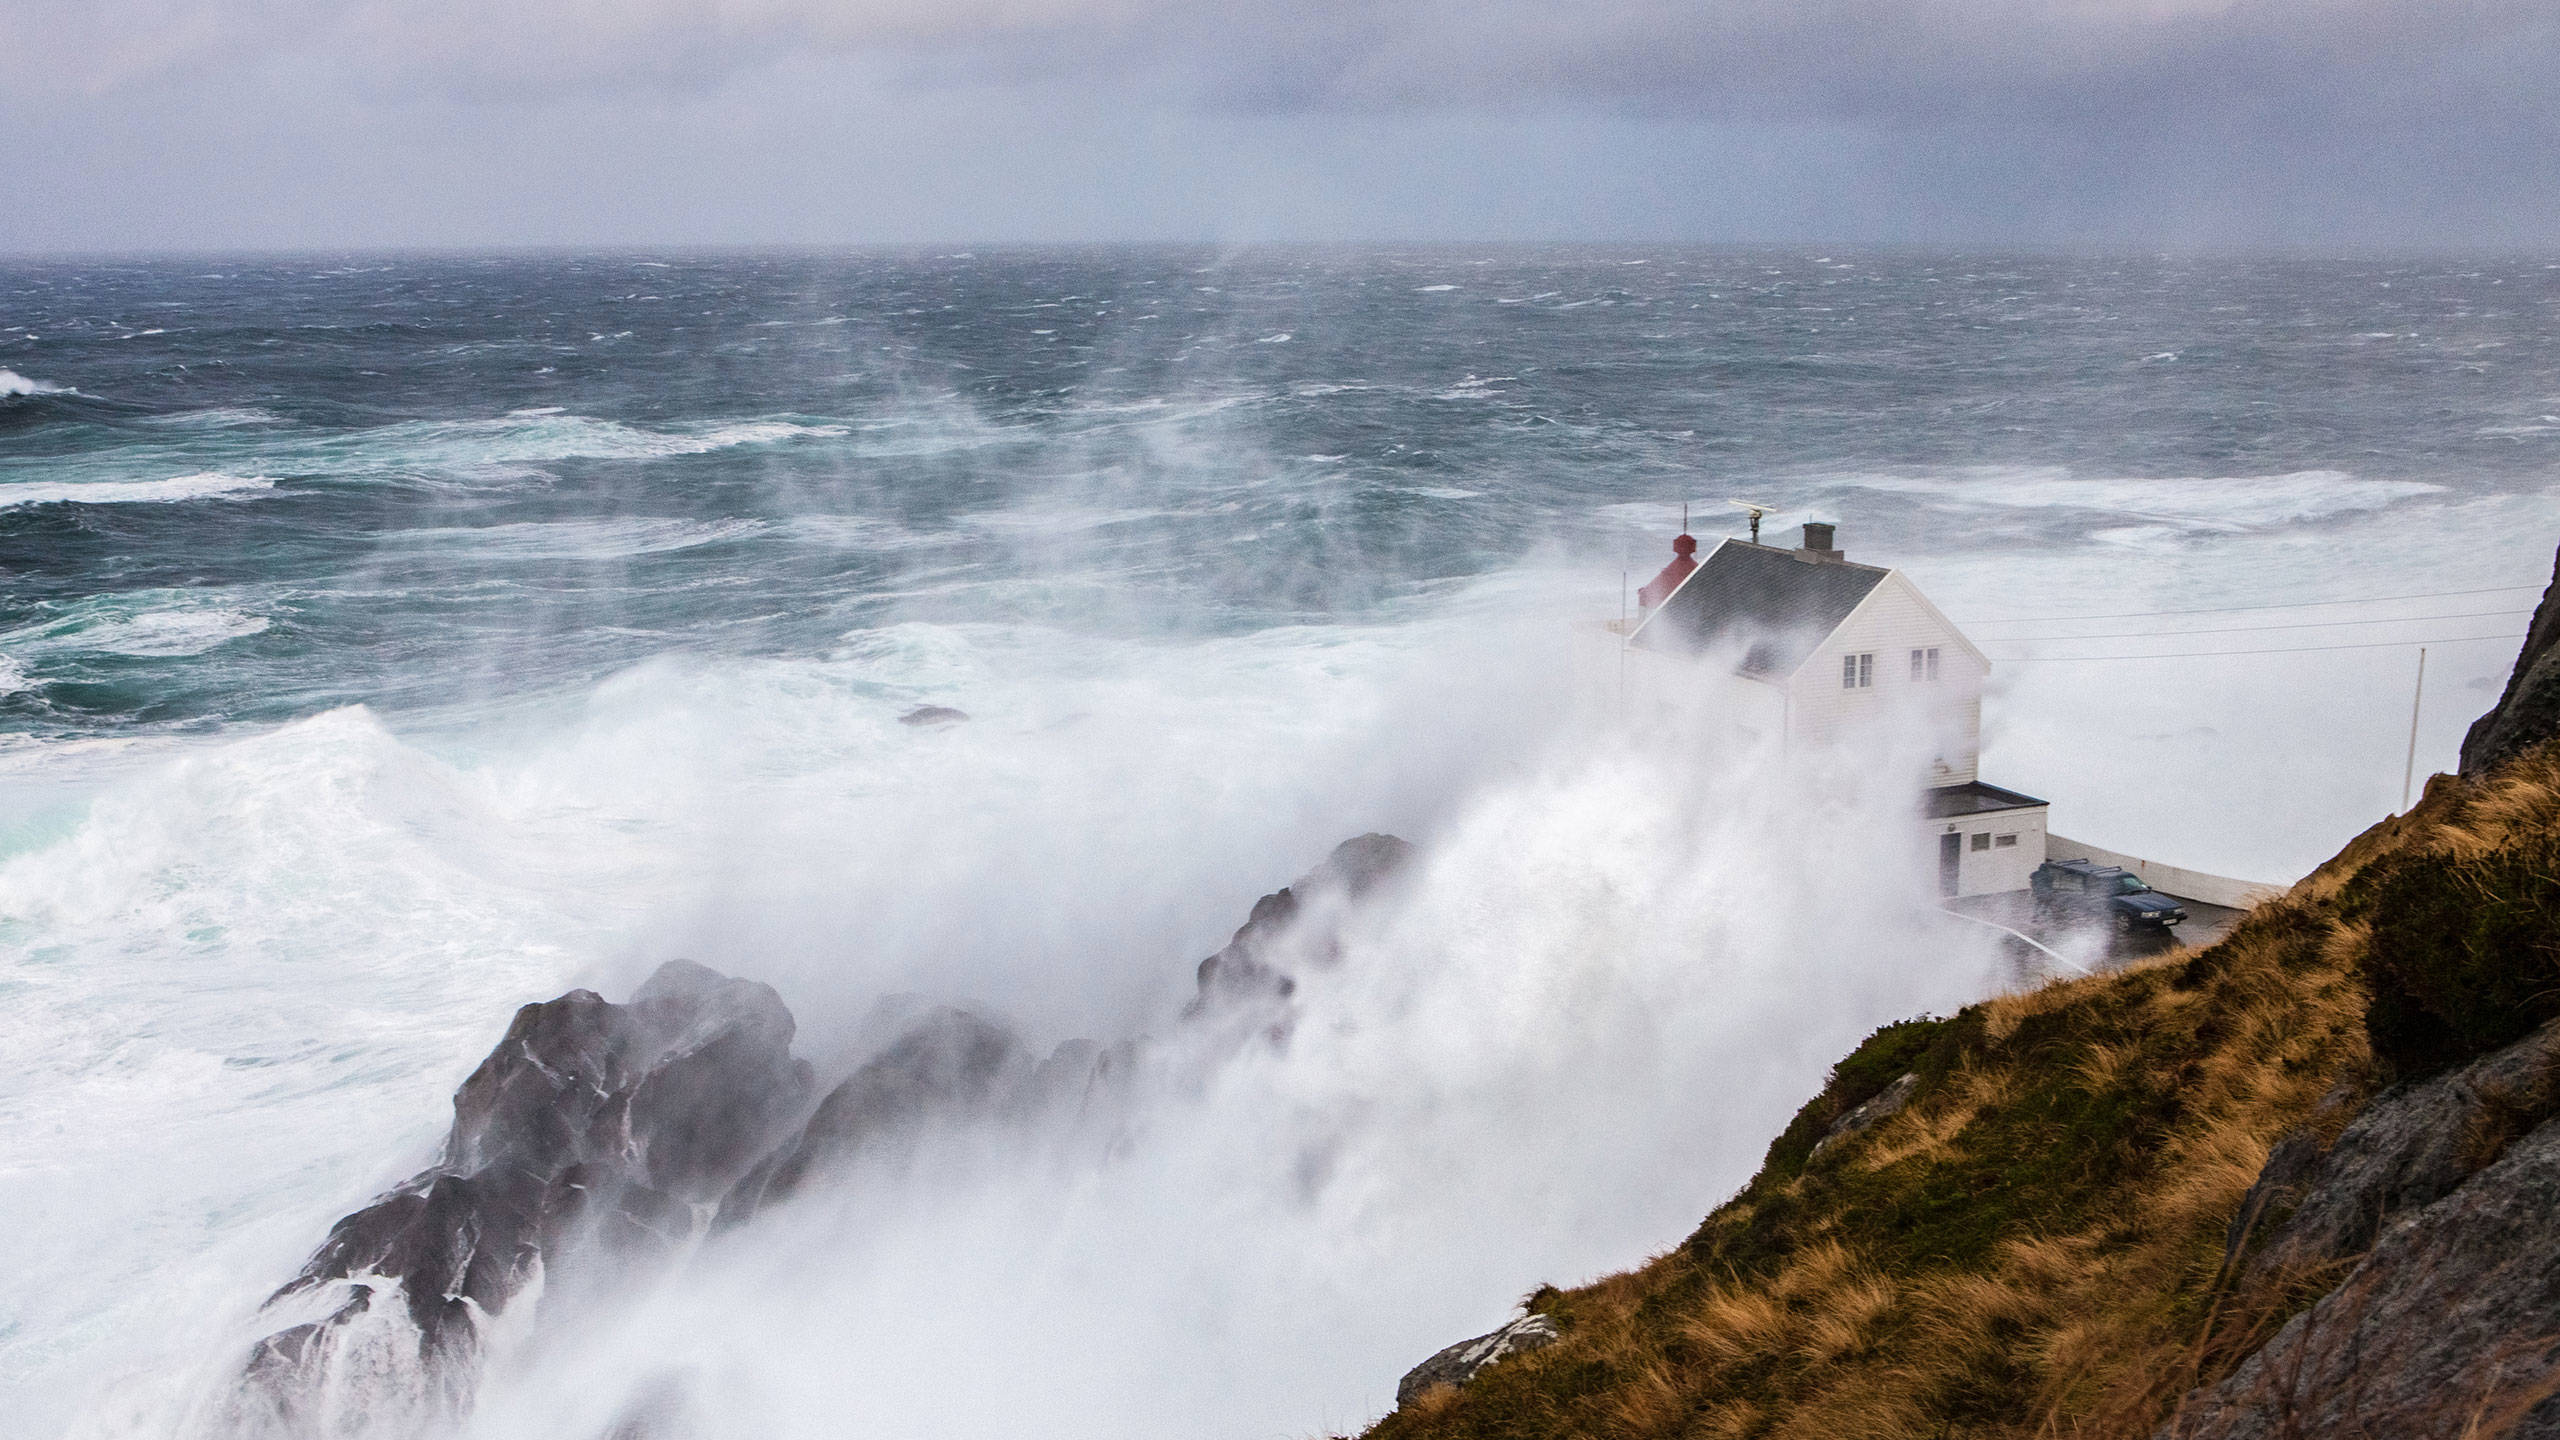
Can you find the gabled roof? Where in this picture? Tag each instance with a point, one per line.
(1774, 605)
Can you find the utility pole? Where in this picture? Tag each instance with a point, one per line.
(2409, 771)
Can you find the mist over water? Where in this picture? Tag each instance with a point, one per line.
(384, 646)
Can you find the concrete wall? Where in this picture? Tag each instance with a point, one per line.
(1893, 622)
(1996, 868)
(2169, 879)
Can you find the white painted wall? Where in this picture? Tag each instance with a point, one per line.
(1998, 867)
(2171, 879)
(1894, 620)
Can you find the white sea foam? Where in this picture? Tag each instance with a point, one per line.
(129, 492)
(143, 623)
(2218, 503)
(278, 954)
(175, 632)
(544, 436)
(220, 417)
(13, 383)
(582, 540)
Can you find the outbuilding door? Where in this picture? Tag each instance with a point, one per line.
(1950, 860)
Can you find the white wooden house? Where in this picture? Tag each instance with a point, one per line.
(1840, 648)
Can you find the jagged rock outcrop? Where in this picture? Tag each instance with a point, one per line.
(590, 1122)
(2529, 711)
(1459, 1363)
(2449, 1326)
(2437, 1200)
(2413, 1145)
(1867, 1116)
(1253, 963)
(948, 1065)
(623, 1133)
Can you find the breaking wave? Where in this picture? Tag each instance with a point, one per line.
(129, 492)
(14, 384)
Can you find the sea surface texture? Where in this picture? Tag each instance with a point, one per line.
(387, 642)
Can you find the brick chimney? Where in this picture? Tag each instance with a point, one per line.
(1817, 540)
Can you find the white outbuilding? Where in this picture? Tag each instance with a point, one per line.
(1839, 647)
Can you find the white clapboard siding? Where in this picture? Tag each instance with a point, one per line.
(1894, 620)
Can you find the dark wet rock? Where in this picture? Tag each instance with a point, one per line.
(2449, 1326)
(2529, 712)
(2430, 1224)
(1460, 1362)
(928, 715)
(2410, 1146)
(950, 1064)
(1254, 964)
(589, 1123)
(1867, 1116)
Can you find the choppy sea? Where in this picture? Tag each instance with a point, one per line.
(385, 642)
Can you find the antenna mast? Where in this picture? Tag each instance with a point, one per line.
(1757, 510)
(2409, 771)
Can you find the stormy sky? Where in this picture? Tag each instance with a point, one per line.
(2322, 124)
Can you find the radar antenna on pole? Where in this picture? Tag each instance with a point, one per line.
(1757, 510)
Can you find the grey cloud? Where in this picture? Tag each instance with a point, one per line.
(2277, 121)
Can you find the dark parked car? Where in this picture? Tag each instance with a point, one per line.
(2102, 892)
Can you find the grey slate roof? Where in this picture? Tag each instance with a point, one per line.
(1951, 802)
(1774, 604)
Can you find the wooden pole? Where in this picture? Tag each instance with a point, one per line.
(2409, 771)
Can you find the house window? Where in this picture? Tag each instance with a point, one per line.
(1981, 842)
(2005, 842)
(1924, 664)
(1858, 672)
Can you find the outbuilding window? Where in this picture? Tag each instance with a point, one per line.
(2005, 842)
(1981, 842)
(1858, 672)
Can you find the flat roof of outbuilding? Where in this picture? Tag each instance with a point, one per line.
(1952, 802)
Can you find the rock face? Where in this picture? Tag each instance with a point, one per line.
(1459, 1363)
(620, 1134)
(2437, 1201)
(949, 1065)
(1252, 963)
(590, 1123)
(2529, 711)
(1867, 1116)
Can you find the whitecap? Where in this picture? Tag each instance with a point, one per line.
(1432, 289)
(588, 540)
(13, 384)
(1282, 338)
(137, 622)
(1439, 492)
(130, 492)
(220, 417)
(2226, 503)
(173, 632)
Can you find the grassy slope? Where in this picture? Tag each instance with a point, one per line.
(2035, 1244)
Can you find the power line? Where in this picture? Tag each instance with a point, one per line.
(2240, 629)
(2235, 609)
(2281, 650)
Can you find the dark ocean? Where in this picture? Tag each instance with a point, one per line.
(386, 642)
